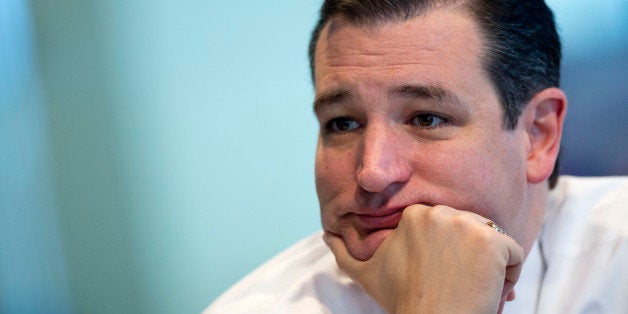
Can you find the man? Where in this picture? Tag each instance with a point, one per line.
(440, 130)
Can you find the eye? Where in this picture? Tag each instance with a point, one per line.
(340, 125)
(428, 120)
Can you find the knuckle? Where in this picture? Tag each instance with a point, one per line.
(436, 212)
(413, 212)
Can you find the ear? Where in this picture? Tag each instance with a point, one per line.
(543, 119)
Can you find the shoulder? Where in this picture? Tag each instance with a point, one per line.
(304, 278)
(584, 213)
(269, 280)
(590, 189)
(579, 202)
(585, 245)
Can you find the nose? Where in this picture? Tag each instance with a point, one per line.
(384, 159)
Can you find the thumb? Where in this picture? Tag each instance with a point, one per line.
(344, 259)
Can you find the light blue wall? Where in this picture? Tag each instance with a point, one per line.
(33, 277)
(178, 139)
(183, 144)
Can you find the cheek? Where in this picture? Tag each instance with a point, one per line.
(335, 186)
(479, 176)
(449, 164)
(333, 174)
(500, 183)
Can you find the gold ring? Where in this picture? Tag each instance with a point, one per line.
(496, 227)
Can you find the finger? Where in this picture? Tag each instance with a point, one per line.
(511, 296)
(515, 260)
(345, 261)
(513, 269)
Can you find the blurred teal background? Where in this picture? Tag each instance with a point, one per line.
(154, 152)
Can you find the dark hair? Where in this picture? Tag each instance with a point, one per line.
(522, 49)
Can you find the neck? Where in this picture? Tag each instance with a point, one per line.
(538, 198)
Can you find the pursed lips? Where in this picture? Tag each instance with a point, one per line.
(370, 220)
(368, 223)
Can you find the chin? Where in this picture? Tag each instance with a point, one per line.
(364, 247)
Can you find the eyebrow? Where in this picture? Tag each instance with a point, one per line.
(433, 93)
(436, 93)
(427, 92)
(329, 98)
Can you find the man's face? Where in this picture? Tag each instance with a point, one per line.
(408, 116)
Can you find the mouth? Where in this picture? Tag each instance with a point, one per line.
(368, 231)
(370, 223)
(365, 229)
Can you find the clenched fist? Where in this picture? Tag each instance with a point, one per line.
(438, 260)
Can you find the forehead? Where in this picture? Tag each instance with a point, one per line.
(437, 47)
